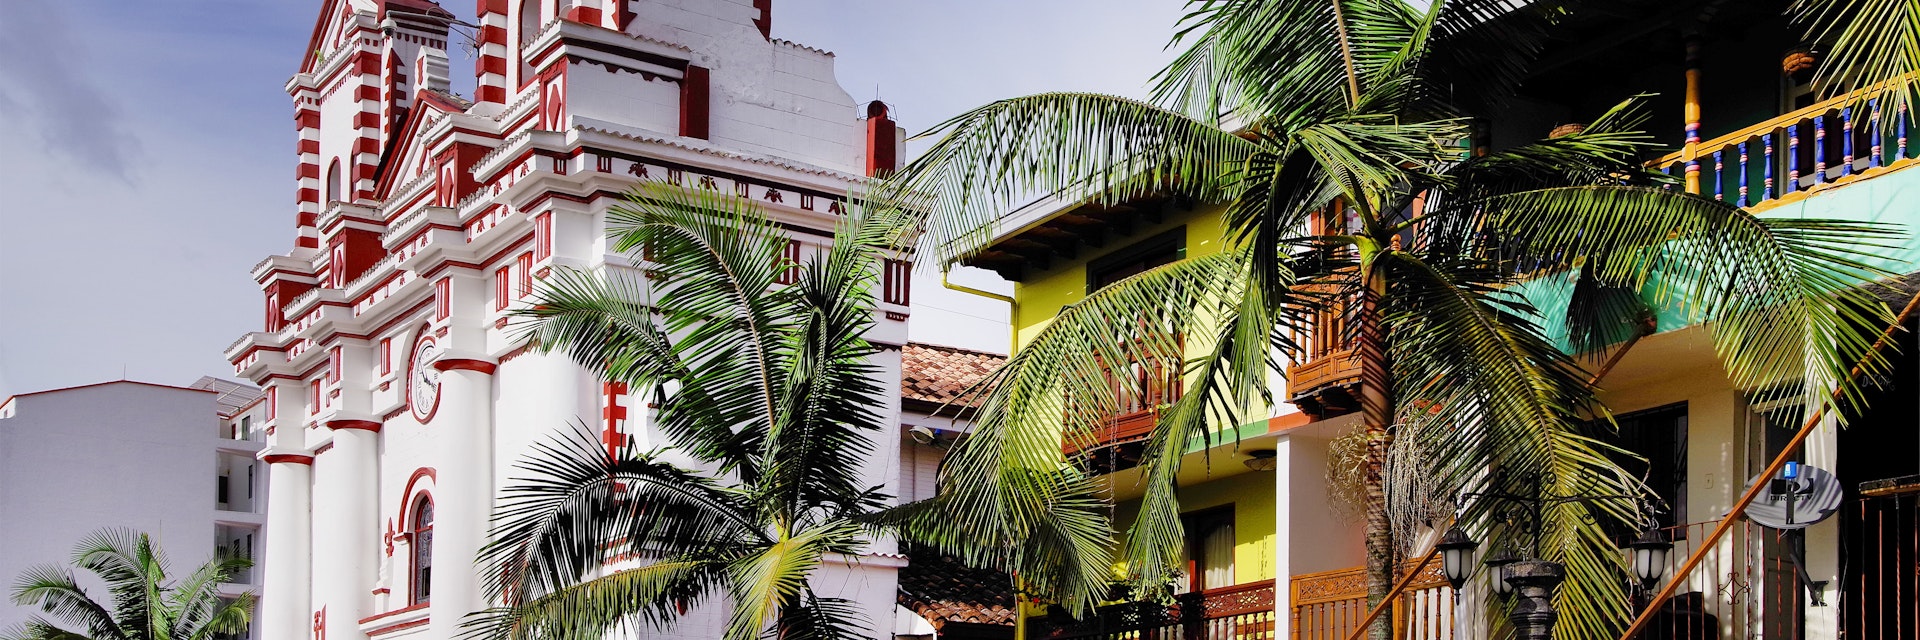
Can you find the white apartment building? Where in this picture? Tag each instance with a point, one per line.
(396, 399)
(190, 451)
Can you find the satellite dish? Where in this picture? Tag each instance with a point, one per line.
(1800, 497)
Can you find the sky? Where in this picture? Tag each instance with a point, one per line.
(146, 155)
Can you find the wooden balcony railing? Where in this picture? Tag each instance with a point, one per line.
(1239, 612)
(1320, 383)
(1142, 388)
(1791, 156)
(1330, 605)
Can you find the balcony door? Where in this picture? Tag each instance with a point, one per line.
(1210, 542)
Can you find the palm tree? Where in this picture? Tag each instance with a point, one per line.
(768, 386)
(146, 604)
(1356, 106)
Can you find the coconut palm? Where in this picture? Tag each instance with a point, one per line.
(1442, 259)
(767, 387)
(147, 603)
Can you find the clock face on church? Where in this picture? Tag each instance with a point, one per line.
(423, 381)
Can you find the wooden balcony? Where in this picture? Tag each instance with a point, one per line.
(1143, 389)
(1326, 381)
(1331, 604)
(1240, 612)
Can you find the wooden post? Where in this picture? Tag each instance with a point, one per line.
(1692, 151)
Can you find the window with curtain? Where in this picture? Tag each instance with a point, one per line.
(1210, 543)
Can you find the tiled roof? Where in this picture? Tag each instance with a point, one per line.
(942, 590)
(937, 374)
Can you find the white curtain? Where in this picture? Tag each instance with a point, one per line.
(1216, 557)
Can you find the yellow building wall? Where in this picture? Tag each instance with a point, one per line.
(1252, 497)
(1043, 293)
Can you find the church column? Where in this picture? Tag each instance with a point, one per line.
(284, 607)
(463, 502)
(352, 525)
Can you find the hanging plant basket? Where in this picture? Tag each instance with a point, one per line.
(1798, 61)
(1568, 129)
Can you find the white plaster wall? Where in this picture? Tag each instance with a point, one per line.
(767, 97)
(625, 97)
(115, 455)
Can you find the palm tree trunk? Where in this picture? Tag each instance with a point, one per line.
(1376, 413)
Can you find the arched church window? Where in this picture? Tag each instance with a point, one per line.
(333, 183)
(420, 543)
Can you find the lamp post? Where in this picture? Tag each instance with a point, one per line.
(1532, 580)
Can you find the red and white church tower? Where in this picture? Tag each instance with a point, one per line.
(396, 400)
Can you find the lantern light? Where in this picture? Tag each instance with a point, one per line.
(1497, 571)
(1650, 552)
(1456, 556)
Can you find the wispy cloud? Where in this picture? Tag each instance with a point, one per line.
(44, 81)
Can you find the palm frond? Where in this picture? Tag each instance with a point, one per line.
(1514, 402)
(1072, 146)
(1873, 49)
(648, 597)
(577, 507)
(1787, 300)
(38, 628)
(773, 579)
(55, 592)
(827, 420)
(1272, 60)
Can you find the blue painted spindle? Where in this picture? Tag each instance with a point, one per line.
(1846, 141)
(1766, 166)
(1793, 159)
(1900, 152)
(1820, 149)
(1719, 176)
(1876, 155)
(1743, 174)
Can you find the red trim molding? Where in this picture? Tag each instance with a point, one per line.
(403, 625)
(412, 607)
(464, 364)
(288, 458)
(363, 425)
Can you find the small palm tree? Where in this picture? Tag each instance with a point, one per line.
(765, 383)
(146, 604)
(1343, 189)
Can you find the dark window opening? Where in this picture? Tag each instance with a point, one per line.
(1657, 440)
(1210, 543)
(420, 543)
(1155, 251)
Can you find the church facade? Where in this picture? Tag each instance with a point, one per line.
(396, 397)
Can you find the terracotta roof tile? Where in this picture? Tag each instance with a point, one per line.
(937, 374)
(942, 590)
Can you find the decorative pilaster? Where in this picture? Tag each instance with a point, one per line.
(463, 503)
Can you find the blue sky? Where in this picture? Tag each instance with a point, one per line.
(146, 153)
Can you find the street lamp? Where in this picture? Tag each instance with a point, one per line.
(1531, 579)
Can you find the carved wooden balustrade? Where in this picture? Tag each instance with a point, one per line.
(1143, 388)
(1239, 612)
(1330, 605)
(1324, 380)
